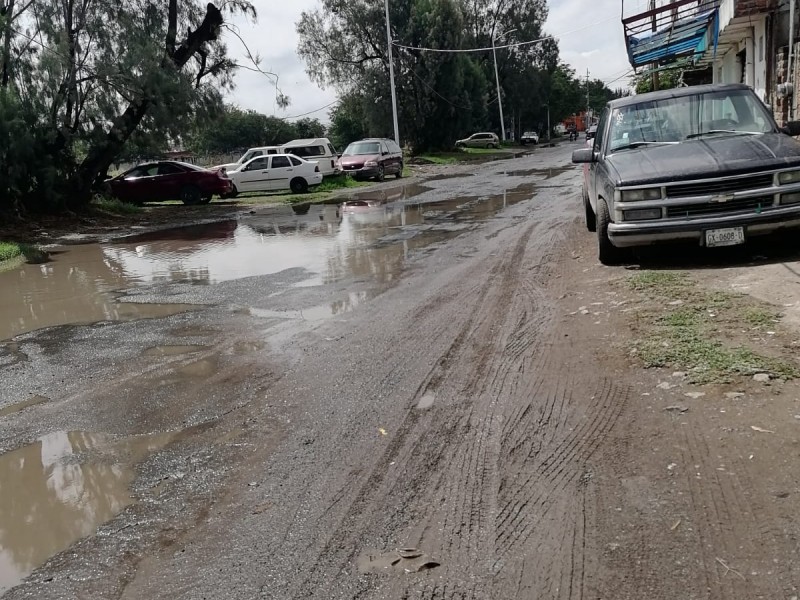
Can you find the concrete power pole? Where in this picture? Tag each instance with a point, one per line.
(588, 124)
(655, 65)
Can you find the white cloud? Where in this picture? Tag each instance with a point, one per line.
(589, 33)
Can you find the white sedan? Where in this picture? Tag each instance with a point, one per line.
(275, 173)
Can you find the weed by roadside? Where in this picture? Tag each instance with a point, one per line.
(9, 250)
(13, 254)
(682, 330)
(437, 159)
(115, 206)
(760, 317)
(338, 182)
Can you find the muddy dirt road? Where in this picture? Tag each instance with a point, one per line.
(433, 397)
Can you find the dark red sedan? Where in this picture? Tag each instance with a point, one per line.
(169, 180)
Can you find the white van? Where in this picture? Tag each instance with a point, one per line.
(249, 155)
(318, 149)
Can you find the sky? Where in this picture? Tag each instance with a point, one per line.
(589, 32)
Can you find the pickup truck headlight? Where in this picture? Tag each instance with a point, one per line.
(642, 214)
(789, 177)
(639, 195)
(790, 198)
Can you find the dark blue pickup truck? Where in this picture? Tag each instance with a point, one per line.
(705, 164)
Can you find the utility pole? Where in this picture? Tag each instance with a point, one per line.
(587, 100)
(655, 65)
(499, 98)
(391, 76)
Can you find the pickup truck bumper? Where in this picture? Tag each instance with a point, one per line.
(642, 233)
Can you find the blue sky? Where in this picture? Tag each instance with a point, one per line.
(589, 32)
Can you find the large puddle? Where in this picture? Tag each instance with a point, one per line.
(59, 490)
(372, 242)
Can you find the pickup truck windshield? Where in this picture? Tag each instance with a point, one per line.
(731, 112)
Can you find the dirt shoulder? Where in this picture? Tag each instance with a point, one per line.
(695, 488)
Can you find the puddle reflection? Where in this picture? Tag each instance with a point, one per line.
(60, 490)
(330, 243)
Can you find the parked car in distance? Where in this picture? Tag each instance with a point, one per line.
(703, 164)
(169, 180)
(372, 158)
(591, 132)
(275, 173)
(317, 149)
(479, 140)
(529, 137)
(247, 156)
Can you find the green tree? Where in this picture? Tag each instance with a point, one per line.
(234, 129)
(668, 79)
(89, 78)
(441, 96)
(347, 121)
(309, 128)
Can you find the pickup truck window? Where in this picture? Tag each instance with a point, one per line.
(671, 120)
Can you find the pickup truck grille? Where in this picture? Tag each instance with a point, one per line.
(738, 205)
(720, 186)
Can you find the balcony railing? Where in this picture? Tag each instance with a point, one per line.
(669, 31)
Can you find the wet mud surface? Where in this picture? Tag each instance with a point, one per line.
(427, 394)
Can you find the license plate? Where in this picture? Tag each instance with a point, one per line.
(731, 236)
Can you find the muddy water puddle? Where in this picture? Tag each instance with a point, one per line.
(20, 406)
(59, 490)
(158, 351)
(371, 243)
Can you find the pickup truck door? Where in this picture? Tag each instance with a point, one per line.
(594, 182)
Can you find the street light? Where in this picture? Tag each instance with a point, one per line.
(497, 80)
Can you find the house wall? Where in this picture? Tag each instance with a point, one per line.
(728, 68)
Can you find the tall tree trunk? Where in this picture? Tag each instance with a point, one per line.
(102, 154)
(8, 16)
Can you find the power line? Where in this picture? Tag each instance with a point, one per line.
(311, 112)
(513, 45)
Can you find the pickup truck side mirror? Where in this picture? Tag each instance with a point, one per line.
(584, 155)
(792, 128)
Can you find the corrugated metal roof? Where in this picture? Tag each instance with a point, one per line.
(687, 38)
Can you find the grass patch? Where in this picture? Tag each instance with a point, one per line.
(660, 282)
(9, 250)
(13, 255)
(338, 182)
(115, 206)
(760, 317)
(682, 333)
(437, 159)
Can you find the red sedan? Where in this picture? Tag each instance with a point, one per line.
(169, 180)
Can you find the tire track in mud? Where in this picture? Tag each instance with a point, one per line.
(565, 464)
(448, 474)
(371, 489)
(731, 534)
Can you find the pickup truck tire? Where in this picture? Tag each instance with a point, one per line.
(609, 254)
(591, 220)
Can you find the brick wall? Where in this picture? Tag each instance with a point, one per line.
(746, 8)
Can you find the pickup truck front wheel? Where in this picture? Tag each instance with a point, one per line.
(591, 221)
(609, 254)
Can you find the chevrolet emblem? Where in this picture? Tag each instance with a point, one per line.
(722, 198)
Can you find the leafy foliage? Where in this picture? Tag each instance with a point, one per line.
(81, 81)
(667, 80)
(441, 96)
(234, 129)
